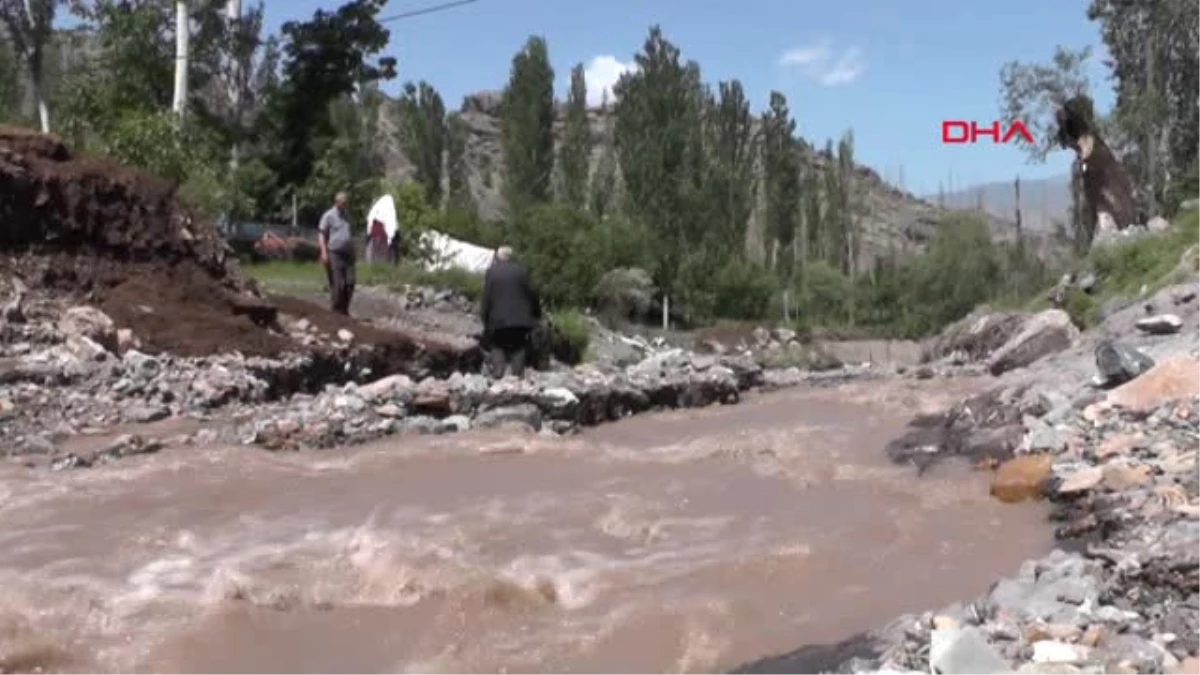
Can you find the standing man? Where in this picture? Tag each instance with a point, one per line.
(510, 309)
(337, 254)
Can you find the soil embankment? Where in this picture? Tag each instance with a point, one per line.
(85, 231)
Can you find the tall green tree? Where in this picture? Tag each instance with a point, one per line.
(29, 25)
(576, 150)
(781, 175)
(10, 85)
(833, 221)
(603, 197)
(458, 186)
(1032, 93)
(325, 58)
(527, 126)
(346, 160)
(423, 135)
(733, 148)
(133, 69)
(850, 203)
(657, 117)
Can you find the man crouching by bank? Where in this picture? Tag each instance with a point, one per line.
(510, 309)
(337, 254)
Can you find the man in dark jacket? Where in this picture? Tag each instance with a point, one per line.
(510, 309)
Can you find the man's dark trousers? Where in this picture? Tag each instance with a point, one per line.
(508, 347)
(341, 280)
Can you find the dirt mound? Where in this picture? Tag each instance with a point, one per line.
(92, 231)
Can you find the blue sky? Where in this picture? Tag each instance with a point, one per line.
(888, 69)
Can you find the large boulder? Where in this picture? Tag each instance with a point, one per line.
(1021, 478)
(1170, 380)
(1118, 362)
(977, 335)
(88, 322)
(1045, 333)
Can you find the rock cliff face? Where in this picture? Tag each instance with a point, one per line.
(894, 221)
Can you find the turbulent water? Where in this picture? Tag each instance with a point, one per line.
(687, 541)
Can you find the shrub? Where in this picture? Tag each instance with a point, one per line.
(623, 293)
(743, 290)
(570, 336)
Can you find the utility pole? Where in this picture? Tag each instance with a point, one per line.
(182, 33)
(233, 12)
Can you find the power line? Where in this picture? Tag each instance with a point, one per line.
(426, 10)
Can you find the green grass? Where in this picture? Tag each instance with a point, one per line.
(1152, 262)
(303, 277)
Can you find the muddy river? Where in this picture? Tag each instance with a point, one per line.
(690, 541)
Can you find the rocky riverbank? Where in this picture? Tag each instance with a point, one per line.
(70, 373)
(1106, 425)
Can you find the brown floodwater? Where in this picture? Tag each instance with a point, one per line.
(689, 541)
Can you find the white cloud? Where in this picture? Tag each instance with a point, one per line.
(818, 61)
(601, 75)
(808, 55)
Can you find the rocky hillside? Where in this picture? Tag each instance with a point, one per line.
(894, 221)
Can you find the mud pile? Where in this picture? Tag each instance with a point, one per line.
(89, 231)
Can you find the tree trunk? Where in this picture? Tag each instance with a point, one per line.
(39, 95)
(35, 45)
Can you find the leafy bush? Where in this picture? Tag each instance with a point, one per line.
(1081, 307)
(568, 251)
(825, 294)
(623, 293)
(571, 335)
(743, 290)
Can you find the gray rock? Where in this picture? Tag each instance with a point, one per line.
(384, 387)
(557, 402)
(145, 413)
(1052, 651)
(1141, 653)
(1119, 362)
(1042, 437)
(1158, 224)
(1162, 324)
(1034, 668)
(1043, 334)
(35, 444)
(455, 424)
(1087, 282)
(91, 323)
(390, 410)
(420, 425)
(525, 414)
(966, 651)
(85, 349)
(1183, 294)
(1053, 599)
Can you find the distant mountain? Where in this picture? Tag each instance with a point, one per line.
(1044, 202)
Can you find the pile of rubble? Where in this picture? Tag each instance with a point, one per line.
(73, 372)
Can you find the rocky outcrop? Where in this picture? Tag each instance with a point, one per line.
(1043, 334)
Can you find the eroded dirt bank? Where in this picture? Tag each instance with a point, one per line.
(684, 541)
